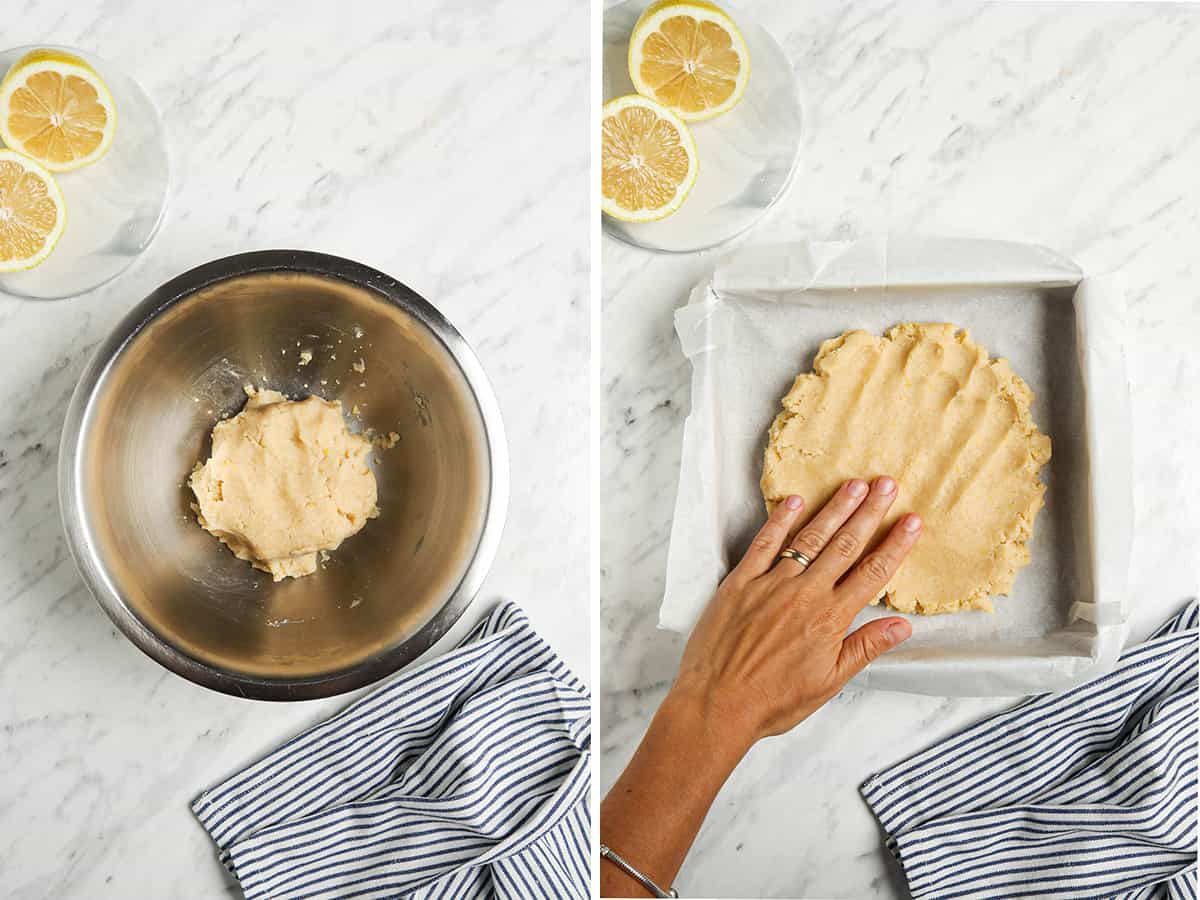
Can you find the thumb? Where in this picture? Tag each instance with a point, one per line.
(865, 645)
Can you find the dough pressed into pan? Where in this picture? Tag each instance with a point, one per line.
(926, 405)
(286, 480)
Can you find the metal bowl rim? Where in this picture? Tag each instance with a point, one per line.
(74, 432)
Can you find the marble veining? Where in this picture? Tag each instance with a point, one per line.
(445, 145)
(1069, 125)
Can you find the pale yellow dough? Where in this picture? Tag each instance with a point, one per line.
(927, 406)
(286, 481)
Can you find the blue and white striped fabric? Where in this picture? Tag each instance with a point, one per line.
(465, 777)
(1089, 793)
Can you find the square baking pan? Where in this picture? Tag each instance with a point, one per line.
(759, 321)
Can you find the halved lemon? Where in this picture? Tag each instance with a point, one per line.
(55, 109)
(690, 57)
(647, 160)
(32, 212)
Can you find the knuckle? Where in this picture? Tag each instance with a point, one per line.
(877, 567)
(809, 543)
(857, 655)
(844, 544)
(763, 541)
(874, 647)
(865, 653)
(862, 650)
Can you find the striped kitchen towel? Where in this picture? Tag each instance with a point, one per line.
(1088, 793)
(467, 776)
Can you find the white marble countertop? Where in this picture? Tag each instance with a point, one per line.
(1069, 125)
(447, 147)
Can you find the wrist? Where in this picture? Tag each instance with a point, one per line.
(652, 813)
(699, 719)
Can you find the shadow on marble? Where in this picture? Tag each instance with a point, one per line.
(892, 871)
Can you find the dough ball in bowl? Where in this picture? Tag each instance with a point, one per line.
(301, 324)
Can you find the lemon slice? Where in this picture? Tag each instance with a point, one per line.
(647, 160)
(55, 109)
(32, 212)
(690, 57)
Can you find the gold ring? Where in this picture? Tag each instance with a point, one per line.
(797, 556)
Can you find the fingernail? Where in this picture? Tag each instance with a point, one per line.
(885, 484)
(857, 488)
(898, 632)
(794, 502)
(912, 523)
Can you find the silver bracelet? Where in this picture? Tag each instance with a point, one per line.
(612, 856)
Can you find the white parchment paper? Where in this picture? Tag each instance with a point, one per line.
(759, 321)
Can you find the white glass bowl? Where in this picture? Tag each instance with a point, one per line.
(747, 156)
(114, 206)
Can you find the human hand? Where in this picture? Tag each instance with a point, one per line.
(771, 647)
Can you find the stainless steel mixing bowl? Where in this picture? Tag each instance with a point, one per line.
(141, 417)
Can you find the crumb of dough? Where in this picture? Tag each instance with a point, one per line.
(926, 405)
(305, 357)
(359, 366)
(286, 480)
(382, 442)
